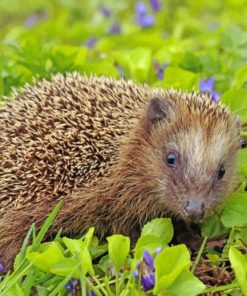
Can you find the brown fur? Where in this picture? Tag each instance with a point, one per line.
(100, 146)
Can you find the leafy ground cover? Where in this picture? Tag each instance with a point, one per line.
(192, 45)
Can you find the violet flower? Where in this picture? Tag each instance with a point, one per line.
(207, 86)
(120, 70)
(215, 96)
(34, 18)
(148, 281)
(70, 286)
(157, 251)
(156, 5)
(145, 270)
(1, 267)
(148, 259)
(160, 69)
(90, 43)
(142, 18)
(115, 28)
(105, 11)
(31, 20)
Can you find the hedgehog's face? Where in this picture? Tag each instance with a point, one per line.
(193, 167)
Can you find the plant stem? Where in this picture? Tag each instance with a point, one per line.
(107, 286)
(222, 288)
(100, 285)
(83, 285)
(117, 284)
(228, 243)
(193, 268)
(92, 287)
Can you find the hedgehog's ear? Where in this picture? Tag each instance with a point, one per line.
(158, 110)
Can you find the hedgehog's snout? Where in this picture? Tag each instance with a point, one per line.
(194, 209)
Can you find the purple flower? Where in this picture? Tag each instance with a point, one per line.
(215, 96)
(145, 270)
(31, 20)
(141, 8)
(145, 20)
(142, 18)
(148, 259)
(156, 5)
(70, 286)
(213, 26)
(115, 29)
(1, 267)
(207, 85)
(157, 251)
(90, 43)
(105, 11)
(160, 69)
(34, 18)
(120, 70)
(148, 281)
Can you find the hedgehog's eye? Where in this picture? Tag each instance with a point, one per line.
(221, 172)
(171, 159)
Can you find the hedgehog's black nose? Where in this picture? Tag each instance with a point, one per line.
(194, 209)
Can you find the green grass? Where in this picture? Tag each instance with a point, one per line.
(195, 40)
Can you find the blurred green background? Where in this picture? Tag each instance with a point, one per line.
(181, 42)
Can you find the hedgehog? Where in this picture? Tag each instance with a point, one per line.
(117, 154)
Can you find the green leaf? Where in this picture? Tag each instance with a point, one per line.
(79, 248)
(186, 284)
(184, 79)
(240, 77)
(104, 68)
(75, 246)
(149, 243)
(239, 265)
(213, 226)
(242, 235)
(242, 162)
(65, 267)
(234, 40)
(49, 220)
(191, 62)
(62, 283)
(16, 290)
(89, 237)
(168, 266)
(1, 86)
(118, 248)
(160, 227)
(236, 99)
(49, 255)
(86, 262)
(234, 213)
(139, 62)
